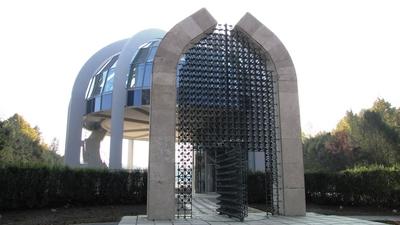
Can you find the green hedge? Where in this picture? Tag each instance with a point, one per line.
(372, 186)
(27, 187)
(365, 187)
(36, 187)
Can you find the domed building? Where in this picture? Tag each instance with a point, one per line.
(99, 96)
(130, 60)
(212, 100)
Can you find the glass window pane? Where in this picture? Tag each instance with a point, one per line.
(137, 97)
(131, 78)
(103, 67)
(153, 52)
(98, 84)
(115, 64)
(90, 106)
(139, 75)
(146, 97)
(90, 88)
(109, 82)
(156, 43)
(103, 80)
(106, 101)
(98, 81)
(147, 75)
(141, 56)
(130, 98)
(97, 103)
(111, 63)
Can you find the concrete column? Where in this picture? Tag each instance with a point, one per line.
(161, 182)
(131, 144)
(290, 154)
(119, 95)
(73, 142)
(77, 104)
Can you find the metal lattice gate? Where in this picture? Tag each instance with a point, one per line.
(225, 106)
(232, 180)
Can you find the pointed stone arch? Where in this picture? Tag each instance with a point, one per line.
(161, 173)
(290, 153)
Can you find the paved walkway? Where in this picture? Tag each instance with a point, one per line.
(377, 218)
(204, 214)
(253, 219)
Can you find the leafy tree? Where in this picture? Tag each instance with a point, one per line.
(389, 114)
(22, 144)
(54, 145)
(370, 137)
(315, 154)
(328, 152)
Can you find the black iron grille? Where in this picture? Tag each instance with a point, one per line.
(226, 107)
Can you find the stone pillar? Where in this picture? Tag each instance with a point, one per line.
(130, 153)
(161, 202)
(290, 153)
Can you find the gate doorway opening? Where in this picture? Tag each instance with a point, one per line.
(225, 109)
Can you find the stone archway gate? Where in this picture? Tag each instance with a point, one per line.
(289, 185)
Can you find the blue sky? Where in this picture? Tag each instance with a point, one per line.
(346, 53)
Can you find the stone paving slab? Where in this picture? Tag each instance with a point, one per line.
(116, 223)
(204, 213)
(377, 218)
(252, 219)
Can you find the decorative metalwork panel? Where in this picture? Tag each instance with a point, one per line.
(184, 179)
(226, 107)
(232, 166)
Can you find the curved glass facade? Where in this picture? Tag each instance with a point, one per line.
(99, 92)
(139, 77)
